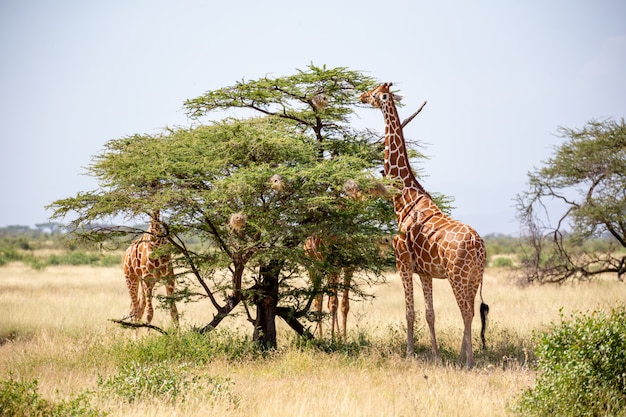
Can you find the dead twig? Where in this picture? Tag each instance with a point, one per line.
(410, 118)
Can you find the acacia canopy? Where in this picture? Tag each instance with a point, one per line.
(200, 177)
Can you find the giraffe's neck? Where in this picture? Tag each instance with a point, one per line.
(396, 156)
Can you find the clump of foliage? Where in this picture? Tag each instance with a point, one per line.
(165, 380)
(11, 254)
(160, 366)
(189, 347)
(502, 262)
(501, 244)
(22, 399)
(582, 364)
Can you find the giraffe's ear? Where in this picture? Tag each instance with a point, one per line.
(397, 97)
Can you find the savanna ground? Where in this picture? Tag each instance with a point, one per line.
(56, 328)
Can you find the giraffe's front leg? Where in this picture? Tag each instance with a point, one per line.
(148, 286)
(169, 289)
(333, 303)
(427, 287)
(407, 283)
(345, 299)
(317, 307)
(405, 268)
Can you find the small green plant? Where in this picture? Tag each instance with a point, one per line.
(22, 399)
(582, 364)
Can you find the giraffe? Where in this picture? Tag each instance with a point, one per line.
(428, 242)
(143, 270)
(318, 250)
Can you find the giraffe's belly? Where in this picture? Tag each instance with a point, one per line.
(433, 271)
(428, 261)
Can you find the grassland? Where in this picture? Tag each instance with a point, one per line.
(55, 328)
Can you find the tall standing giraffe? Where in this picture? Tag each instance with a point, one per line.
(318, 250)
(429, 242)
(143, 270)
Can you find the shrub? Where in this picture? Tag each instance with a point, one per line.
(166, 380)
(9, 254)
(502, 262)
(21, 399)
(582, 364)
(186, 347)
(162, 366)
(135, 380)
(73, 258)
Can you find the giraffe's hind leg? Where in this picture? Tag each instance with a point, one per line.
(465, 296)
(132, 284)
(318, 306)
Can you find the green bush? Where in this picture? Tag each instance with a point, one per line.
(21, 399)
(9, 254)
(74, 258)
(502, 263)
(163, 366)
(70, 258)
(582, 368)
(186, 347)
(164, 380)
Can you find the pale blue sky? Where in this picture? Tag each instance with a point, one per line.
(500, 77)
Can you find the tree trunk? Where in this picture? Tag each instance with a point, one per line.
(266, 302)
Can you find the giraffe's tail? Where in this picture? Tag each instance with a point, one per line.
(484, 311)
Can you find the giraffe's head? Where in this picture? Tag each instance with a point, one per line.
(156, 227)
(379, 96)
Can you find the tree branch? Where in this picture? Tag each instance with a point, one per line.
(222, 313)
(288, 315)
(130, 324)
(411, 117)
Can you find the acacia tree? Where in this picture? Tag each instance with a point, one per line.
(239, 196)
(586, 180)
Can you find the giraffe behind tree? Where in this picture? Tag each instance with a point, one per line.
(143, 268)
(319, 250)
(429, 242)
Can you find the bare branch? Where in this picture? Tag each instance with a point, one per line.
(411, 117)
(133, 325)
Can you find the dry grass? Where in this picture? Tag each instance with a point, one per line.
(52, 319)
